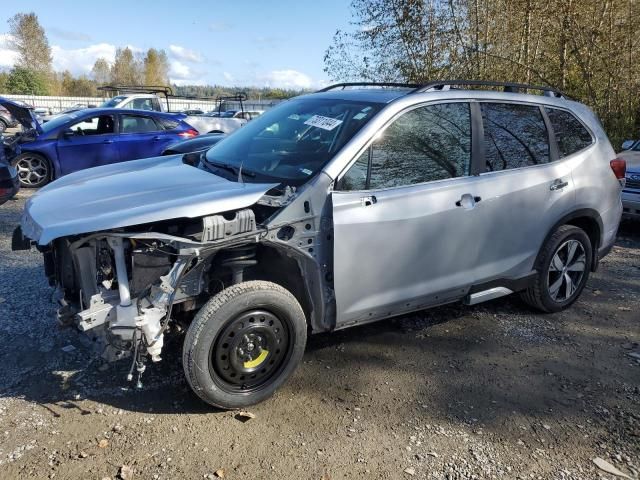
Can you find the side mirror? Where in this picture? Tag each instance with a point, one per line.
(192, 158)
(627, 144)
(68, 134)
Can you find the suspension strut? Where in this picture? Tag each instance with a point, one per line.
(237, 259)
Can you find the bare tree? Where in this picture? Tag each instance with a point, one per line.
(28, 39)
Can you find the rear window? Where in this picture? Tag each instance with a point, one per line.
(570, 134)
(515, 136)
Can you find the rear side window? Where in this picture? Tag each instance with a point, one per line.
(167, 124)
(423, 145)
(570, 133)
(138, 124)
(515, 136)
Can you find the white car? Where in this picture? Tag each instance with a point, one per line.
(149, 101)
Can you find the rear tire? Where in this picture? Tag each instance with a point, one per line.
(34, 170)
(563, 267)
(243, 344)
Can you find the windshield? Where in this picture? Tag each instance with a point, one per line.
(293, 141)
(58, 121)
(112, 102)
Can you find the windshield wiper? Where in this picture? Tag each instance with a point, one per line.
(228, 167)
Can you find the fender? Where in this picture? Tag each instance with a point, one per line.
(569, 219)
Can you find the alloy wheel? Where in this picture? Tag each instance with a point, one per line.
(32, 170)
(566, 270)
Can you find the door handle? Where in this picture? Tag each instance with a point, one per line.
(558, 184)
(468, 201)
(107, 141)
(368, 201)
(157, 137)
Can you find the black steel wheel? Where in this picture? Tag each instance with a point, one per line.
(250, 349)
(244, 343)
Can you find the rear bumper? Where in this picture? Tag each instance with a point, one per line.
(631, 204)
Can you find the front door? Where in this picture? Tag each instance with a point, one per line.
(90, 142)
(405, 217)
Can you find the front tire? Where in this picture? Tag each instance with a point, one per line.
(563, 270)
(3, 126)
(34, 170)
(243, 344)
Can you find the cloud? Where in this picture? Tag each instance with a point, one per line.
(8, 57)
(219, 27)
(68, 35)
(182, 74)
(80, 60)
(287, 79)
(184, 54)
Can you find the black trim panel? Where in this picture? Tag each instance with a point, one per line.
(513, 284)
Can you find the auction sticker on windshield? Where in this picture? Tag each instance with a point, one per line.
(325, 123)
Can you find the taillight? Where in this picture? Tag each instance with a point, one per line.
(619, 167)
(192, 132)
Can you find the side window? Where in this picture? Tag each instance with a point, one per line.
(99, 125)
(142, 104)
(156, 105)
(138, 124)
(425, 144)
(569, 132)
(515, 136)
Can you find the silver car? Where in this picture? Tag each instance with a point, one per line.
(334, 209)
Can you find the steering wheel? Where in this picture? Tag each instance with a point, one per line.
(79, 131)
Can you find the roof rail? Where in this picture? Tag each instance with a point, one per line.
(368, 84)
(506, 87)
(448, 84)
(166, 91)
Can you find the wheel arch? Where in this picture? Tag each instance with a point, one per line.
(53, 162)
(586, 219)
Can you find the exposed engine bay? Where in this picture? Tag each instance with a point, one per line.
(127, 289)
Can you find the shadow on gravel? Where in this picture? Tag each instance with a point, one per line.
(484, 365)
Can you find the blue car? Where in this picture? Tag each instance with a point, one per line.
(89, 138)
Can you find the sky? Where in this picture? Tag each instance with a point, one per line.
(243, 42)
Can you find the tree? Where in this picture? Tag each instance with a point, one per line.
(156, 67)
(125, 70)
(585, 48)
(23, 81)
(101, 71)
(27, 38)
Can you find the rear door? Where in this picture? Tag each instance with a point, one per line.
(405, 218)
(524, 189)
(89, 142)
(141, 137)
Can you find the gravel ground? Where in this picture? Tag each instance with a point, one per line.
(492, 391)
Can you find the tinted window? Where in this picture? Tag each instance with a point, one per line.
(514, 136)
(137, 124)
(570, 133)
(423, 145)
(167, 124)
(99, 125)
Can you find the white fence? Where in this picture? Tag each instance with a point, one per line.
(56, 104)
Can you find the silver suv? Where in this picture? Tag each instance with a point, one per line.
(338, 208)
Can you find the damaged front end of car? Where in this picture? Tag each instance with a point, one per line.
(122, 287)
